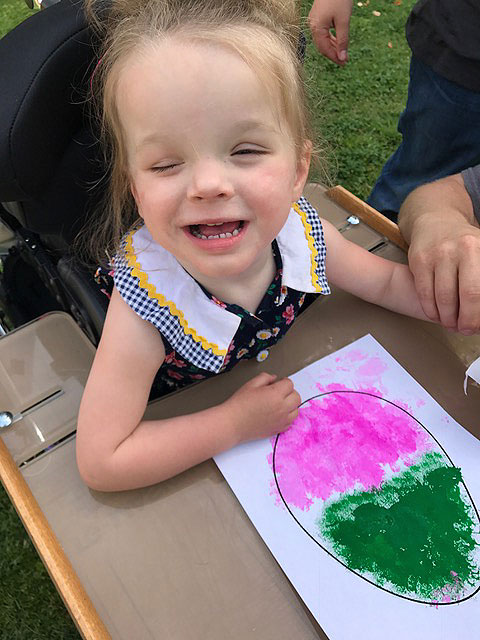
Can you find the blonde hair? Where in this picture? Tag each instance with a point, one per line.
(264, 33)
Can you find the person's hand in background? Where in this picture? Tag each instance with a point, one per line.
(324, 16)
(438, 222)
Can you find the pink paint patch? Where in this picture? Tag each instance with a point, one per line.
(451, 592)
(374, 367)
(355, 355)
(341, 440)
(334, 386)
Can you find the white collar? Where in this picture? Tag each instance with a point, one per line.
(298, 249)
(208, 323)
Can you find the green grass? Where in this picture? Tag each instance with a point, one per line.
(11, 13)
(356, 108)
(30, 607)
(355, 111)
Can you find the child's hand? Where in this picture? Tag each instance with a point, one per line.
(263, 407)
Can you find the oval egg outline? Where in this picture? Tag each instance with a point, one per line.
(372, 395)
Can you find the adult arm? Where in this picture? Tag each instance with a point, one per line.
(438, 221)
(325, 15)
(117, 449)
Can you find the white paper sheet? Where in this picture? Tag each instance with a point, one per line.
(349, 602)
(473, 372)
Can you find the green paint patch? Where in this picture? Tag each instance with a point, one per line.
(415, 535)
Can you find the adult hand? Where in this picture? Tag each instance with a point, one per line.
(325, 15)
(444, 254)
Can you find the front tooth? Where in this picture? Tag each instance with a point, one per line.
(203, 237)
(222, 235)
(228, 234)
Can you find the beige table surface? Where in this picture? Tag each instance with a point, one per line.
(181, 560)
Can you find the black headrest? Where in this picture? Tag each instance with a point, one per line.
(45, 66)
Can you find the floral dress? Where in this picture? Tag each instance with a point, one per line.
(204, 336)
(255, 335)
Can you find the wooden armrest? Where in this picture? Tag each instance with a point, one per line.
(367, 214)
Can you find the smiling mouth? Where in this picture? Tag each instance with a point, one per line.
(216, 230)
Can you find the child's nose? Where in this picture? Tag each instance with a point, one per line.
(210, 180)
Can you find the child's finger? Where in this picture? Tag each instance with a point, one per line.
(261, 380)
(293, 415)
(284, 387)
(296, 398)
(289, 418)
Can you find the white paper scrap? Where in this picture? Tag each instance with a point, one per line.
(473, 372)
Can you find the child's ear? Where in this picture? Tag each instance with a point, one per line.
(302, 169)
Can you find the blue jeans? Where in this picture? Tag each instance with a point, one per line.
(440, 130)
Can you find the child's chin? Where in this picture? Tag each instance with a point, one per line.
(222, 268)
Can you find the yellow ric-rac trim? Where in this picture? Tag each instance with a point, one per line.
(311, 244)
(152, 293)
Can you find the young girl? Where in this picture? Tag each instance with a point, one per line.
(204, 105)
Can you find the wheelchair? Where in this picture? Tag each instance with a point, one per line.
(51, 169)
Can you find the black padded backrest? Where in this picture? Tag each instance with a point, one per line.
(49, 157)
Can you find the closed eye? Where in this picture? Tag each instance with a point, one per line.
(244, 152)
(165, 168)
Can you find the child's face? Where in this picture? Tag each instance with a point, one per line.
(205, 148)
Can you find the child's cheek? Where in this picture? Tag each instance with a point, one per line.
(139, 189)
(277, 181)
(151, 198)
(138, 197)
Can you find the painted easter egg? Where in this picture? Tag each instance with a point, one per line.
(374, 489)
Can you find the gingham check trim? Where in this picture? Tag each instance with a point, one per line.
(319, 242)
(167, 324)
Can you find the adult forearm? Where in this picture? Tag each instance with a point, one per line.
(438, 222)
(436, 206)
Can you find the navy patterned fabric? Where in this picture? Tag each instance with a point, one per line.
(255, 335)
(186, 359)
(168, 324)
(319, 241)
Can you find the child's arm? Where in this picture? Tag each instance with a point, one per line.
(117, 450)
(370, 277)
